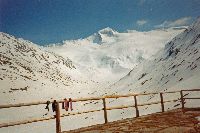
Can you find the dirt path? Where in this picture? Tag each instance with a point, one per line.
(174, 121)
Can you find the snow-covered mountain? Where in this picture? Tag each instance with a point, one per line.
(27, 71)
(176, 66)
(77, 68)
(109, 54)
(30, 73)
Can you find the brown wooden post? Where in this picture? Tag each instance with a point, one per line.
(161, 101)
(105, 111)
(182, 99)
(58, 126)
(136, 107)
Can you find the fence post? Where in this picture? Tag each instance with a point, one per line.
(161, 101)
(182, 99)
(58, 127)
(105, 111)
(136, 107)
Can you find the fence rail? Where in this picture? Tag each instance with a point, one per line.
(57, 115)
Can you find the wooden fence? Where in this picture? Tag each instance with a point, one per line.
(57, 115)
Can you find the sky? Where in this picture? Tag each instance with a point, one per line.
(52, 21)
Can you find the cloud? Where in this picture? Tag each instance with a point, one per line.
(141, 22)
(179, 22)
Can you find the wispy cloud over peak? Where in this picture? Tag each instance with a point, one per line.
(179, 22)
(141, 22)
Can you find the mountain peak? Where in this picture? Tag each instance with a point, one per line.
(107, 31)
(103, 36)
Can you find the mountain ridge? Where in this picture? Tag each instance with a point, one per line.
(176, 66)
(115, 53)
(25, 66)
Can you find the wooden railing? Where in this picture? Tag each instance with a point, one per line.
(57, 115)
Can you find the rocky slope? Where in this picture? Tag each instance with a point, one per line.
(25, 67)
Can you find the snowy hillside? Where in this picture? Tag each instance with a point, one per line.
(175, 67)
(86, 67)
(29, 73)
(27, 70)
(109, 54)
